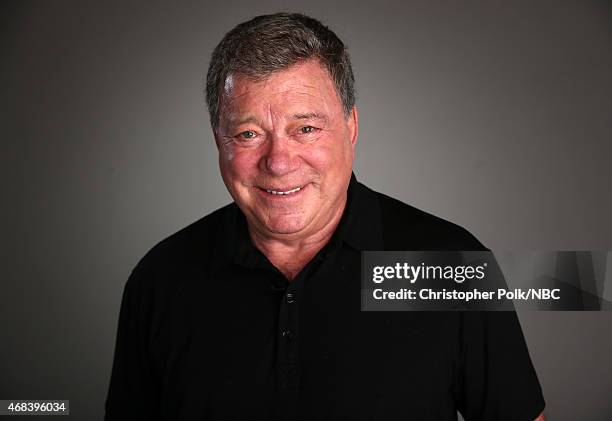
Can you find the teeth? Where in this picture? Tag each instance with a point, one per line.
(284, 192)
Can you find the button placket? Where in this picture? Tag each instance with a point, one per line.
(288, 371)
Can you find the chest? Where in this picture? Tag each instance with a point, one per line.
(302, 348)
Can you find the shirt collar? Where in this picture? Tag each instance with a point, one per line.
(360, 228)
(364, 224)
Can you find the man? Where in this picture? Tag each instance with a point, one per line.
(253, 312)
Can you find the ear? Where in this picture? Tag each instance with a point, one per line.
(353, 126)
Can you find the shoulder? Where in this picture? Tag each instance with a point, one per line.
(183, 255)
(408, 228)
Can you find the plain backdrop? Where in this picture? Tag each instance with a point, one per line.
(495, 115)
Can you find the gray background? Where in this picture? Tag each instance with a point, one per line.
(493, 114)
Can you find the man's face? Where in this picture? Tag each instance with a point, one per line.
(286, 149)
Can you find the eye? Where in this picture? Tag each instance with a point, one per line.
(249, 134)
(307, 129)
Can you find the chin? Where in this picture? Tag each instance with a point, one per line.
(285, 224)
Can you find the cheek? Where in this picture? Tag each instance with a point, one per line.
(318, 159)
(237, 165)
(331, 158)
(227, 154)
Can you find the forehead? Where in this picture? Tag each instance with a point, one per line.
(304, 84)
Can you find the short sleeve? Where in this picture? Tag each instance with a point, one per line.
(497, 380)
(132, 392)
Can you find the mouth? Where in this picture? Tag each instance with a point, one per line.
(278, 191)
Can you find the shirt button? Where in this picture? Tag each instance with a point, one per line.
(290, 298)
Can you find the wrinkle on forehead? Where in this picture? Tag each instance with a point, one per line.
(244, 95)
(295, 109)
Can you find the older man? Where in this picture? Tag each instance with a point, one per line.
(253, 312)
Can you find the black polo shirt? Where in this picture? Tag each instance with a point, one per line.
(209, 329)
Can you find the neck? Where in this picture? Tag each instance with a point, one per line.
(291, 253)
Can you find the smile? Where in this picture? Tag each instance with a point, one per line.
(281, 192)
(284, 192)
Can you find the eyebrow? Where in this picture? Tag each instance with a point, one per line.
(238, 122)
(309, 116)
(297, 116)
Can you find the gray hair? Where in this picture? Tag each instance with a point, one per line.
(270, 43)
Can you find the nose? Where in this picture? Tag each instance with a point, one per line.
(279, 158)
